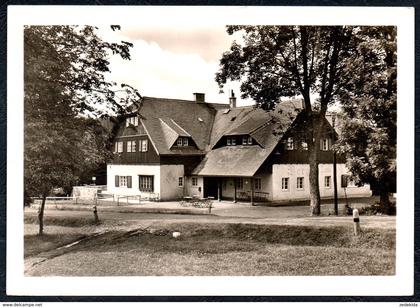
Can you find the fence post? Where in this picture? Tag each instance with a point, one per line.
(356, 222)
(95, 214)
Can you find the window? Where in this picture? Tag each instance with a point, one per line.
(119, 146)
(143, 145)
(194, 181)
(325, 144)
(123, 181)
(299, 183)
(239, 183)
(327, 181)
(146, 183)
(231, 140)
(131, 146)
(180, 181)
(304, 146)
(257, 184)
(289, 144)
(285, 183)
(132, 121)
(182, 141)
(246, 140)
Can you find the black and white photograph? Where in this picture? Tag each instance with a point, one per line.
(252, 148)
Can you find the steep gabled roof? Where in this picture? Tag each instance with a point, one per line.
(164, 119)
(246, 160)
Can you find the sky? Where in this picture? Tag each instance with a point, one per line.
(173, 62)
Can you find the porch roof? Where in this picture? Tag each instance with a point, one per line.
(235, 161)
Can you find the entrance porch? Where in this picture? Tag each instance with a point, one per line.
(244, 189)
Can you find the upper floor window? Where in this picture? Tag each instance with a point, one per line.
(325, 144)
(182, 141)
(289, 144)
(144, 145)
(231, 140)
(131, 146)
(119, 146)
(132, 121)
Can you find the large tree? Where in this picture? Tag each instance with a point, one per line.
(272, 62)
(65, 83)
(369, 104)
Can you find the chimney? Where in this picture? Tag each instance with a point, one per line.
(199, 97)
(232, 100)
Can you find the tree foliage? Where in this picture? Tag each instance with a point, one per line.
(65, 83)
(369, 103)
(272, 62)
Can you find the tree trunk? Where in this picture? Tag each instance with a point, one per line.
(41, 215)
(315, 198)
(384, 201)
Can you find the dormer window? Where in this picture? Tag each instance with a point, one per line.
(231, 141)
(289, 144)
(246, 140)
(182, 141)
(132, 121)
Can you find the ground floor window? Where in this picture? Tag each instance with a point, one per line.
(239, 183)
(180, 181)
(299, 183)
(123, 181)
(285, 183)
(327, 181)
(257, 184)
(146, 183)
(194, 181)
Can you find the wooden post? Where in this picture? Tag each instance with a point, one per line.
(356, 222)
(252, 191)
(218, 190)
(95, 214)
(234, 187)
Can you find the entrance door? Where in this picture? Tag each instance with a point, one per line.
(210, 187)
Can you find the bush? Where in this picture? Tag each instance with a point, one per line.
(378, 209)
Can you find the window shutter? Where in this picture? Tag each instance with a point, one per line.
(152, 188)
(117, 181)
(344, 182)
(128, 181)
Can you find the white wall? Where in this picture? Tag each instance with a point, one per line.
(134, 171)
(191, 190)
(302, 170)
(169, 176)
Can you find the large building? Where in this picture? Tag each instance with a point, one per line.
(176, 148)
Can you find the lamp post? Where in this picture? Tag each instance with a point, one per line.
(334, 168)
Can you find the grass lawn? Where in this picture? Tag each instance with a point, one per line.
(218, 249)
